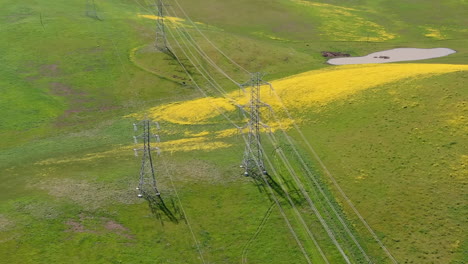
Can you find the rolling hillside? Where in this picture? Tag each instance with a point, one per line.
(368, 163)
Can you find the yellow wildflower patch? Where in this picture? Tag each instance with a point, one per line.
(175, 20)
(342, 23)
(323, 5)
(434, 33)
(189, 144)
(180, 145)
(300, 93)
(459, 121)
(201, 134)
(460, 168)
(88, 157)
(323, 86)
(191, 112)
(227, 133)
(265, 35)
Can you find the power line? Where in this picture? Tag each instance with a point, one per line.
(209, 41)
(254, 162)
(335, 183)
(194, 237)
(248, 148)
(203, 54)
(212, 65)
(291, 229)
(300, 132)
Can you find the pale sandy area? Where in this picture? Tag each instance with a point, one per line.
(394, 55)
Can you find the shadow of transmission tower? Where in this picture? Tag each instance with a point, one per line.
(161, 210)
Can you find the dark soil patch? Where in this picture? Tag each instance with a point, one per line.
(78, 226)
(331, 54)
(100, 227)
(79, 102)
(61, 89)
(49, 70)
(117, 229)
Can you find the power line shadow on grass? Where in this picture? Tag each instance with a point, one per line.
(265, 181)
(161, 210)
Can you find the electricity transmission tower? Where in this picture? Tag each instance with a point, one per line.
(161, 40)
(91, 10)
(147, 184)
(253, 163)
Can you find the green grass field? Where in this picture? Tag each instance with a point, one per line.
(73, 73)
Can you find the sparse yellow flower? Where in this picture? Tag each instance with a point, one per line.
(434, 33)
(342, 23)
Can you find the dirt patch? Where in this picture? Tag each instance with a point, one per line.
(87, 194)
(117, 228)
(93, 50)
(5, 223)
(61, 89)
(78, 102)
(76, 227)
(331, 54)
(98, 226)
(113, 226)
(201, 171)
(49, 70)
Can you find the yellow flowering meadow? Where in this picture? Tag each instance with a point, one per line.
(265, 35)
(302, 91)
(342, 23)
(459, 168)
(176, 20)
(190, 144)
(323, 86)
(168, 147)
(190, 112)
(434, 33)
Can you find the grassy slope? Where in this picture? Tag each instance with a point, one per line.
(401, 153)
(70, 103)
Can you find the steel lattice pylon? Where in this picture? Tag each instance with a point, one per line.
(91, 10)
(161, 40)
(147, 183)
(253, 163)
